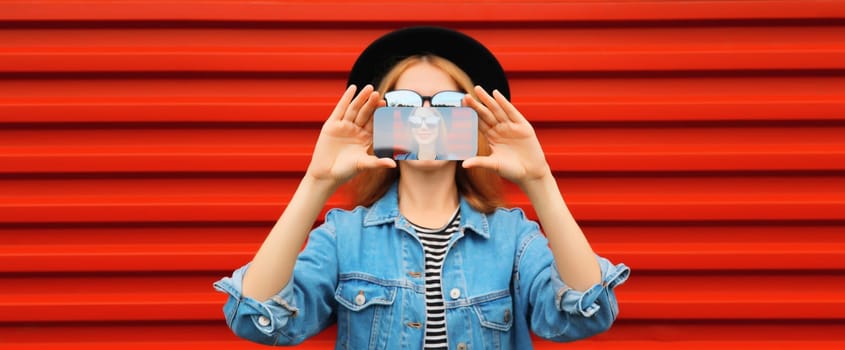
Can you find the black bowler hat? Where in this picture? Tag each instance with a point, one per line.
(465, 52)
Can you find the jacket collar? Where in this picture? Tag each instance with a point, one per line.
(386, 210)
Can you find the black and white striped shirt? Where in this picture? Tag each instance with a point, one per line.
(435, 242)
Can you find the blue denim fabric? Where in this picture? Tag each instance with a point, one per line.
(364, 269)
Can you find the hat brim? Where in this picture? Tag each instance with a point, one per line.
(465, 52)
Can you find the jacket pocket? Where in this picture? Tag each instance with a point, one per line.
(359, 294)
(496, 319)
(365, 313)
(496, 314)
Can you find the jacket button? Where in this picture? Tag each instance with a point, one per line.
(507, 315)
(455, 293)
(263, 321)
(360, 299)
(462, 346)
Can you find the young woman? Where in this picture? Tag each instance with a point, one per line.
(426, 135)
(427, 260)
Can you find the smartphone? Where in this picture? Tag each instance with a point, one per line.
(425, 133)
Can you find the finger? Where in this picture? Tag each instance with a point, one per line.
(366, 112)
(369, 127)
(490, 134)
(356, 104)
(371, 162)
(485, 130)
(484, 114)
(483, 125)
(491, 104)
(482, 162)
(509, 108)
(343, 103)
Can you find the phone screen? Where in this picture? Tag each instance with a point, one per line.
(425, 133)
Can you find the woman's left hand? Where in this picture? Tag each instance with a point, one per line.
(516, 152)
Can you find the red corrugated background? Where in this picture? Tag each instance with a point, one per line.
(146, 148)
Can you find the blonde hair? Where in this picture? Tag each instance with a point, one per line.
(480, 187)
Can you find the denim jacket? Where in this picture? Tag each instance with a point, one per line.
(364, 270)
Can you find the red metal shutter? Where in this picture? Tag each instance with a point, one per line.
(147, 147)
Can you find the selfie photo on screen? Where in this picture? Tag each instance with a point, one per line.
(425, 133)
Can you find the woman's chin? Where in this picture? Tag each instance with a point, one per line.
(425, 140)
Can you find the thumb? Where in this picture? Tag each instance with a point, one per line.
(370, 161)
(482, 162)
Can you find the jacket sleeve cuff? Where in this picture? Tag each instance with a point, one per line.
(268, 316)
(586, 303)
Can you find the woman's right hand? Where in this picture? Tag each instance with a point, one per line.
(341, 149)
